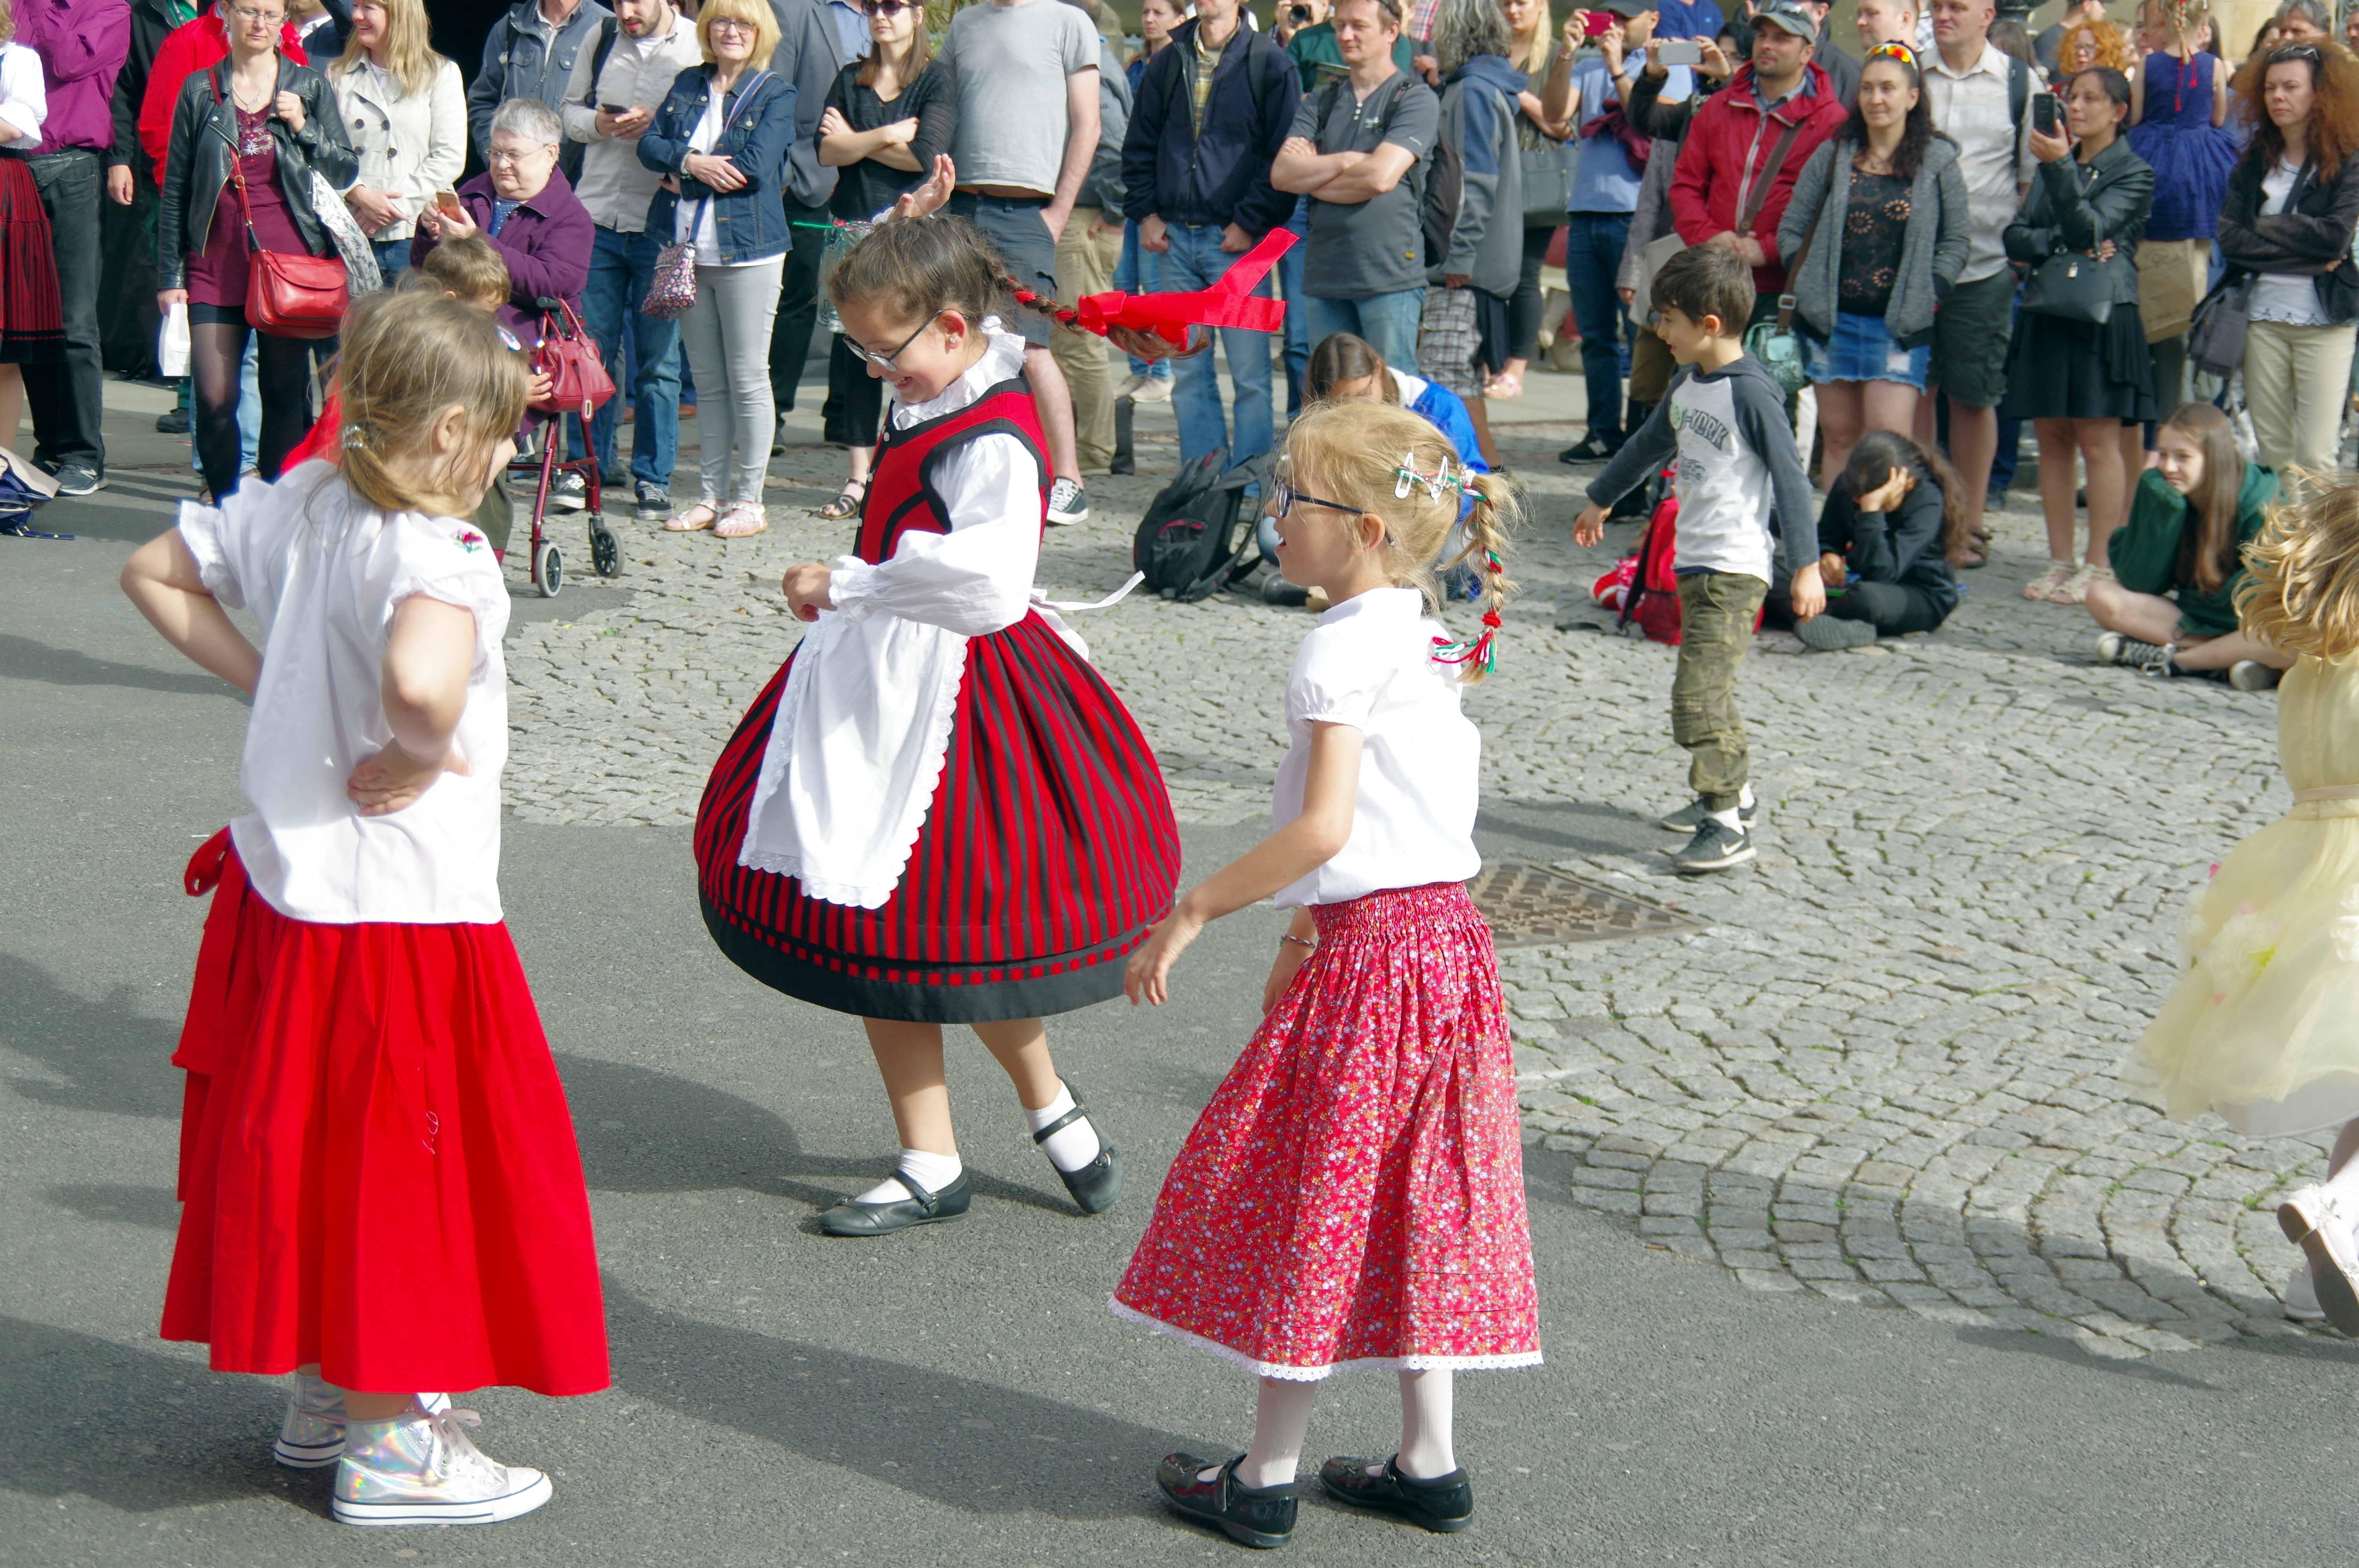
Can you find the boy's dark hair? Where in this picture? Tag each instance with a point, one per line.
(1707, 280)
(913, 267)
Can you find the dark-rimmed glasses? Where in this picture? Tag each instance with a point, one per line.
(1283, 496)
(884, 361)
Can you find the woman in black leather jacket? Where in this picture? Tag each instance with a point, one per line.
(256, 118)
(2293, 201)
(2086, 387)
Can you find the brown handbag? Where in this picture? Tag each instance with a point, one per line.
(287, 294)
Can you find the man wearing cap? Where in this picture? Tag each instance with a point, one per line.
(1733, 181)
(1588, 94)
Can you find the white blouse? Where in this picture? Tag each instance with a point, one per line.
(24, 101)
(856, 750)
(324, 571)
(1369, 664)
(2290, 297)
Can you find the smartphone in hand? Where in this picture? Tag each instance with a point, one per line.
(1594, 24)
(2044, 113)
(1680, 51)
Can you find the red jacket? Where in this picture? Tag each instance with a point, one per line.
(1728, 142)
(191, 47)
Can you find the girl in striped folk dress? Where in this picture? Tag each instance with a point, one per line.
(937, 812)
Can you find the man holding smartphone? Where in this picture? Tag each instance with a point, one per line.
(611, 99)
(1979, 98)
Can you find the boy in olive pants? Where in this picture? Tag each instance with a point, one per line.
(1741, 489)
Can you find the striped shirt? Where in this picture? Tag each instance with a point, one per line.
(1995, 158)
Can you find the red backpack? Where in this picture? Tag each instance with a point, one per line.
(1642, 586)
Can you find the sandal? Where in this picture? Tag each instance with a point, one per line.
(743, 520)
(2045, 585)
(690, 522)
(1504, 385)
(847, 504)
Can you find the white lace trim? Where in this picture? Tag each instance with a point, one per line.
(1316, 1374)
(920, 801)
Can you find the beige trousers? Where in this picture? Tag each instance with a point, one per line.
(2297, 383)
(1085, 263)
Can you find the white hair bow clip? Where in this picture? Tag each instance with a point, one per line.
(1441, 478)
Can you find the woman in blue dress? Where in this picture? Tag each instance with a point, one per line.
(2178, 125)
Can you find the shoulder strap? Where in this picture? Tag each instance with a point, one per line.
(1766, 180)
(2018, 93)
(236, 167)
(606, 30)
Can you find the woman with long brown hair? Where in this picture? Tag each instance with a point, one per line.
(2286, 232)
(1894, 523)
(2169, 608)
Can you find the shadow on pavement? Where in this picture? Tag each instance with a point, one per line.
(21, 658)
(1553, 830)
(99, 1055)
(956, 1441)
(153, 1207)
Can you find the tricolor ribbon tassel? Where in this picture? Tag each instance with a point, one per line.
(1483, 650)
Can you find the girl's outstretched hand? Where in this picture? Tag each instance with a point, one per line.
(1148, 977)
(932, 192)
(393, 779)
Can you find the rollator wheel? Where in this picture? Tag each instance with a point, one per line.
(548, 570)
(605, 550)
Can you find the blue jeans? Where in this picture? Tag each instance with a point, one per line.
(1593, 255)
(1196, 261)
(621, 267)
(1387, 322)
(1297, 331)
(1141, 272)
(392, 258)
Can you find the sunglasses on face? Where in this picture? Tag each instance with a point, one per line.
(885, 7)
(884, 361)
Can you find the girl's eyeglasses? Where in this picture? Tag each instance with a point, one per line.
(1283, 496)
(884, 361)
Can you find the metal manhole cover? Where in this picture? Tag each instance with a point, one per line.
(1532, 906)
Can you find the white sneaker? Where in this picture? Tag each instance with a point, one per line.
(2302, 1297)
(2314, 1220)
(312, 1435)
(424, 1470)
(1152, 389)
(1067, 502)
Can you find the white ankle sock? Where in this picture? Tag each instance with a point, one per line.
(1745, 798)
(1071, 1146)
(1728, 818)
(932, 1172)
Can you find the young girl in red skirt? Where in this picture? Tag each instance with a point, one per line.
(32, 327)
(937, 812)
(381, 1189)
(1354, 1193)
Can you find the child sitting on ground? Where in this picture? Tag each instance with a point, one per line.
(2169, 608)
(1741, 489)
(1894, 522)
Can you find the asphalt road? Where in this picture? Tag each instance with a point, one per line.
(958, 1395)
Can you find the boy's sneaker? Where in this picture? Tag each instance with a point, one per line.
(654, 503)
(1591, 448)
(1827, 635)
(1685, 819)
(2251, 674)
(1067, 502)
(1715, 846)
(312, 1435)
(424, 1470)
(2112, 648)
(568, 491)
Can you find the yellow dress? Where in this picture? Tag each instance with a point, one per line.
(2263, 1027)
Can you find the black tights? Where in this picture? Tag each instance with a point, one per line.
(282, 370)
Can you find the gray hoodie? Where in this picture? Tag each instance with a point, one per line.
(1478, 119)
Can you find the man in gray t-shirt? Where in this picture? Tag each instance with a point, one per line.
(1026, 76)
(1358, 150)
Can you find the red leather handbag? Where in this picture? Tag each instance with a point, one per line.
(569, 356)
(287, 295)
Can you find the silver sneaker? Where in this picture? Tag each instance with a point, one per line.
(312, 1435)
(424, 1470)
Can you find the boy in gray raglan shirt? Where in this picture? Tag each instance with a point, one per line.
(1742, 491)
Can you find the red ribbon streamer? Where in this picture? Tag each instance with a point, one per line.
(1228, 303)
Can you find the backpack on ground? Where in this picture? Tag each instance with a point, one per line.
(1643, 588)
(1190, 544)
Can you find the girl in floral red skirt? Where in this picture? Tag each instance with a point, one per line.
(380, 1187)
(1354, 1192)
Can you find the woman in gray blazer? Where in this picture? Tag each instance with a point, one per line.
(1883, 208)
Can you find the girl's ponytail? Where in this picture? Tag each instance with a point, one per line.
(1489, 526)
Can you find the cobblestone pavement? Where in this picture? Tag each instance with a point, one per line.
(1888, 1070)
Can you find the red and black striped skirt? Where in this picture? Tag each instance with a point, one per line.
(32, 323)
(1048, 854)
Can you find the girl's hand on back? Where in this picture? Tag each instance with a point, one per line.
(806, 590)
(1291, 955)
(393, 779)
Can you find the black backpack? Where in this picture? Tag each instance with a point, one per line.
(1190, 544)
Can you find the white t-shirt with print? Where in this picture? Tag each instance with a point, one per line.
(324, 571)
(1369, 664)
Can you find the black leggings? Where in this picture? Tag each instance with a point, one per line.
(855, 400)
(1524, 305)
(282, 370)
(1895, 609)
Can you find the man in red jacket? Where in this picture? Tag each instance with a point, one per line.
(195, 46)
(1733, 181)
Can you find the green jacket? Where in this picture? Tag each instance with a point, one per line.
(2145, 550)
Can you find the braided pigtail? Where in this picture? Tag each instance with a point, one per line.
(1489, 526)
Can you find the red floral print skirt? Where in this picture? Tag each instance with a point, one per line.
(1354, 1193)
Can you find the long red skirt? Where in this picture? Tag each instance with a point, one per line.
(1354, 1192)
(376, 1162)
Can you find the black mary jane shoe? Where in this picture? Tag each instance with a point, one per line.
(1097, 1185)
(851, 1218)
(1262, 1517)
(1445, 1504)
